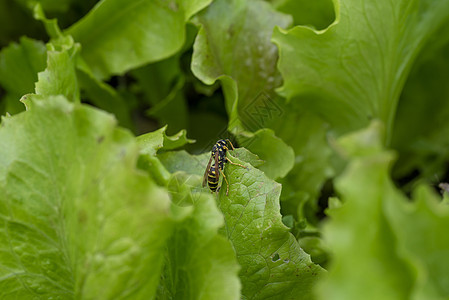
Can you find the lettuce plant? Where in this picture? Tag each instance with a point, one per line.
(338, 110)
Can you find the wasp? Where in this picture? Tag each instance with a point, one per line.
(213, 171)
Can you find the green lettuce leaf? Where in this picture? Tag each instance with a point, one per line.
(19, 65)
(166, 86)
(196, 164)
(172, 109)
(306, 133)
(365, 259)
(279, 156)
(354, 70)
(422, 240)
(272, 262)
(151, 142)
(79, 220)
(200, 263)
(64, 74)
(235, 48)
(161, 86)
(117, 36)
(103, 95)
(58, 39)
(237, 45)
(183, 161)
(59, 78)
(421, 128)
(241, 61)
(384, 246)
(156, 80)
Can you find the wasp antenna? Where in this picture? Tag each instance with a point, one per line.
(232, 146)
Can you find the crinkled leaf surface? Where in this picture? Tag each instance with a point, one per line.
(183, 161)
(272, 263)
(59, 78)
(237, 44)
(177, 140)
(151, 142)
(196, 164)
(66, 71)
(365, 261)
(384, 247)
(355, 69)
(235, 47)
(78, 220)
(278, 155)
(200, 263)
(118, 36)
(244, 155)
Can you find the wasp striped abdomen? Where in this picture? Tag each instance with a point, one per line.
(212, 179)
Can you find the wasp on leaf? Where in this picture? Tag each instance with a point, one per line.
(213, 171)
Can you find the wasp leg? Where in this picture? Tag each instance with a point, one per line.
(236, 164)
(227, 184)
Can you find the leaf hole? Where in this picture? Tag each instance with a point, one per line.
(275, 257)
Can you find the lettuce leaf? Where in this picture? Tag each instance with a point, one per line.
(354, 70)
(68, 173)
(421, 128)
(19, 65)
(384, 246)
(59, 78)
(235, 48)
(117, 37)
(199, 262)
(272, 262)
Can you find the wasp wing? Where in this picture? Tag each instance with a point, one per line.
(206, 172)
(217, 175)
